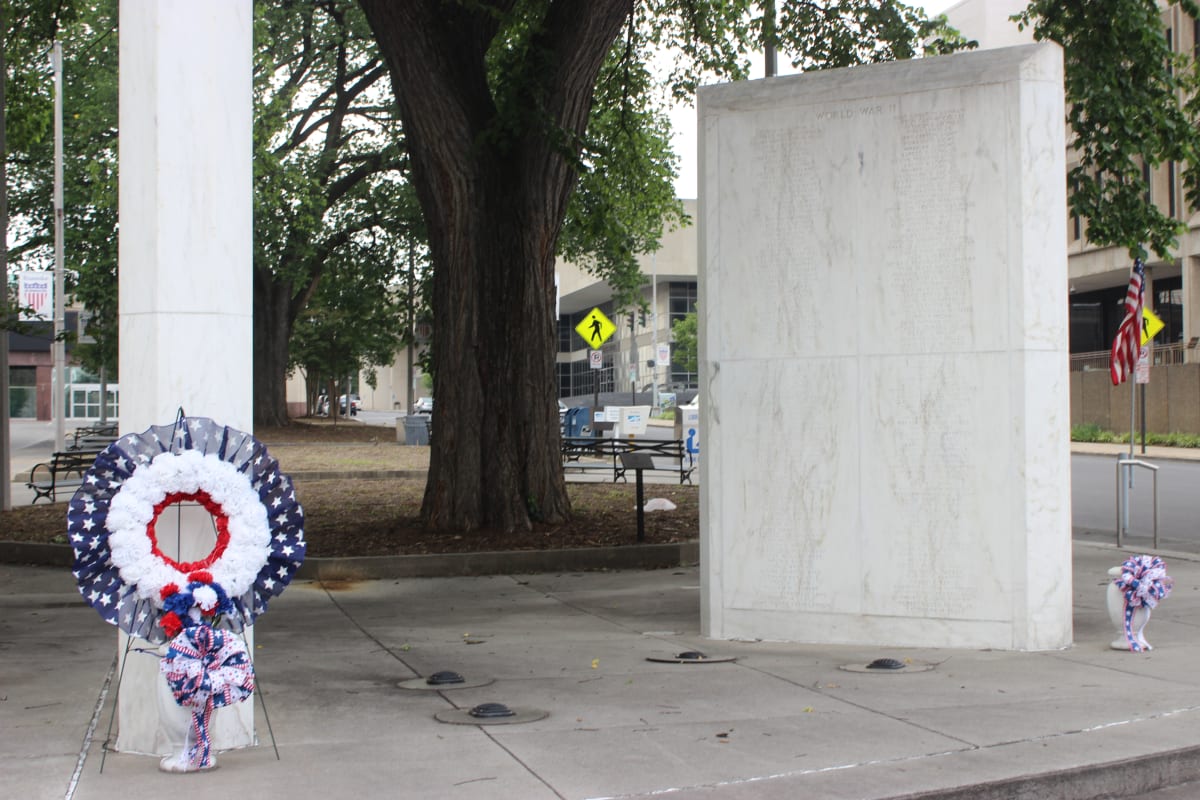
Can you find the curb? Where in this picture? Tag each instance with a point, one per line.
(509, 562)
(1130, 777)
(439, 565)
(40, 554)
(366, 474)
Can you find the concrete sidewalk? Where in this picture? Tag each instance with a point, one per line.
(782, 721)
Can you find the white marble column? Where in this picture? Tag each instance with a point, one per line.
(185, 259)
(884, 355)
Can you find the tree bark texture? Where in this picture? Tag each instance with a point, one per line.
(272, 331)
(493, 176)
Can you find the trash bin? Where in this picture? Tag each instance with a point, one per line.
(416, 429)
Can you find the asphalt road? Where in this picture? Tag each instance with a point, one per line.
(1093, 502)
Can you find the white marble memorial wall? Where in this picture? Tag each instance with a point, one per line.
(185, 269)
(884, 355)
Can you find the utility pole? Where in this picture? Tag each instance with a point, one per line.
(412, 325)
(5, 411)
(770, 56)
(58, 390)
(654, 327)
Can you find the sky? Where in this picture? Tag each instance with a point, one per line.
(683, 119)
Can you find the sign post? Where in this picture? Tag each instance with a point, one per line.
(595, 328)
(1151, 325)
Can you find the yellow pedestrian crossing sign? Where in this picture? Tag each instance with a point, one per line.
(595, 328)
(1151, 325)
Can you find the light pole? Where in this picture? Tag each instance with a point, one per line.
(654, 327)
(5, 411)
(58, 389)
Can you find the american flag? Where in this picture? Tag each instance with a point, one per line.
(1128, 342)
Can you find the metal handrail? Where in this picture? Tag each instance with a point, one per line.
(1122, 500)
(1161, 355)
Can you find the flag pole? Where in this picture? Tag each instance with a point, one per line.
(1122, 366)
(1132, 420)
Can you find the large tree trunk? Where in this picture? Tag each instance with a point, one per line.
(493, 184)
(272, 331)
(495, 459)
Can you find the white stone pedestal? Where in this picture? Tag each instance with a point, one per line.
(884, 355)
(185, 258)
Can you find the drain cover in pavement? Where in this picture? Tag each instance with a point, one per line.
(691, 657)
(888, 666)
(442, 681)
(886, 663)
(490, 714)
(491, 711)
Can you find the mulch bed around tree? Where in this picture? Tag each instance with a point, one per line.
(381, 516)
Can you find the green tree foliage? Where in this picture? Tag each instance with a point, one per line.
(625, 195)
(329, 191)
(1131, 102)
(90, 235)
(87, 34)
(715, 39)
(327, 170)
(687, 349)
(362, 312)
(30, 27)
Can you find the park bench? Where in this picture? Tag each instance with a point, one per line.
(668, 455)
(585, 454)
(48, 478)
(91, 437)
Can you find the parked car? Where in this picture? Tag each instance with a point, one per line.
(424, 405)
(355, 402)
(562, 412)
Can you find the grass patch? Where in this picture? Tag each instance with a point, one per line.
(1094, 433)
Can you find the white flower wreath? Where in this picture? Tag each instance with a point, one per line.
(244, 533)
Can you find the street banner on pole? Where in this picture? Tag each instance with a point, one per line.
(36, 295)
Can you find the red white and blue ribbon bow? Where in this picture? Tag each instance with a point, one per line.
(206, 669)
(1144, 582)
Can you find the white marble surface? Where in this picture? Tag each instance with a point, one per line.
(185, 259)
(884, 355)
(186, 211)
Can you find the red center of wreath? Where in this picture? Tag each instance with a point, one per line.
(218, 515)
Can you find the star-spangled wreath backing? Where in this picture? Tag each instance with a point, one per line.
(119, 567)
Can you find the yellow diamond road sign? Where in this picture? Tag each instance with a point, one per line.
(595, 328)
(1151, 325)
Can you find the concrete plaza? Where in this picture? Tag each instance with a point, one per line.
(780, 721)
